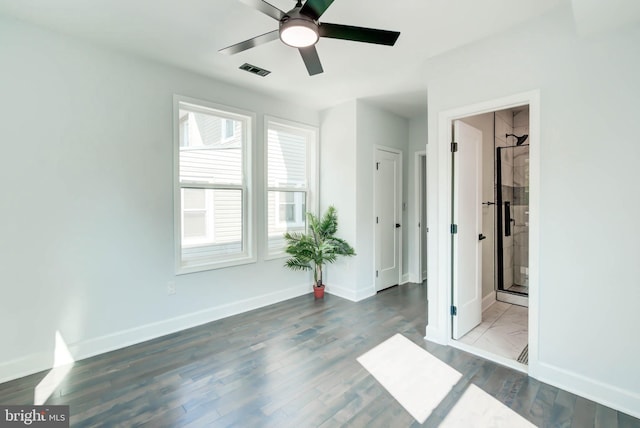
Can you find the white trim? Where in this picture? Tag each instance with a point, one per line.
(439, 245)
(37, 362)
(623, 400)
(349, 293)
(488, 300)
(418, 274)
(410, 278)
(406, 278)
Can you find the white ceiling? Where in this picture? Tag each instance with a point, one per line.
(189, 33)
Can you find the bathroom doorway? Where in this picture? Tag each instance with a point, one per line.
(441, 309)
(503, 328)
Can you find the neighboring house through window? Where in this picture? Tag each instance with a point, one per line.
(213, 211)
(291, 179)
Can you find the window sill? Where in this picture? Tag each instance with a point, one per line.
(194, 268)
(276, 256)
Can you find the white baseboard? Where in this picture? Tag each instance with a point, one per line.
(435, 335)
(38, 362)
(488, 300)
(350, 294)
(625, 401)
(406, 278)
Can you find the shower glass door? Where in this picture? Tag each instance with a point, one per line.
(512, 218)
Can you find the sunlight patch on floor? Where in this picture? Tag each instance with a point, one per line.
(62, 363)
(477, 408)
(423, 384)
(414, 377)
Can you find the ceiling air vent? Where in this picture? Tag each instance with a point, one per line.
(255, 70)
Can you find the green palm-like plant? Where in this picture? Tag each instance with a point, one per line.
(317, 247)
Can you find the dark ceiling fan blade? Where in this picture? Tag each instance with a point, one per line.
(315, 8)
(358, 34)
(311, 60)
(248, 44)
(265, 8)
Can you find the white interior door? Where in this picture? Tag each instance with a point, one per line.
(388, 197)
(467, 216)
(423, 219)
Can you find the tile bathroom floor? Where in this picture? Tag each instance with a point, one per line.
(504, 330)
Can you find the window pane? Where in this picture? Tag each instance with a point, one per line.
(287, 213)
(287, 157)
(229, 128)
(210, 149)
(195, 225)
(193, 198)
(215, 230)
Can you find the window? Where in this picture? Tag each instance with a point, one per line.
(290, 209)
(213, 209)
(228, 129)
(291, 179)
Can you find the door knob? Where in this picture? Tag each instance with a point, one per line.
(481, 237)
(397, 225)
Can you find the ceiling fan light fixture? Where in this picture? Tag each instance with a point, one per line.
(299, 33)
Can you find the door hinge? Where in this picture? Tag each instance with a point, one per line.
(376, 274)
(377, 165)
(376, 220)
(454, 147)
(454, 311)
(454, 229)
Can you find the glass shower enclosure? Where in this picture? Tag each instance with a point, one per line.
(512, 219)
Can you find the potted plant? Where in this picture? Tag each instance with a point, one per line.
(317, 247)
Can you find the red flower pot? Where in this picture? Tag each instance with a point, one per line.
(318, 292)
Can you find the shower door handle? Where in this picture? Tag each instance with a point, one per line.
(507, 218)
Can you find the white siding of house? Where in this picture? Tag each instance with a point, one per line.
(287, 158)
(213, 166)
(206, 157)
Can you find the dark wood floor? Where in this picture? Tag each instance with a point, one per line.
(290, 364)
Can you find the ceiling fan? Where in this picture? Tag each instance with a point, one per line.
(299, 28)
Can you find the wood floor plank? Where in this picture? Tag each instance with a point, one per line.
(562, 411)
(584, 413)
(291, 364)
(606, 417)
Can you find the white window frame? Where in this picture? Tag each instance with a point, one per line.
(248, 121)
(312, 191)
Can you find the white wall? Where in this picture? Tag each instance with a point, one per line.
(87, 241)
(417, 143)
(377, 127)
(588, 228)
(349, 135)
(338, 188)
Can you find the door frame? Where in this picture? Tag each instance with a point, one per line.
(399, 198)
(419, 208)
(439, 245)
